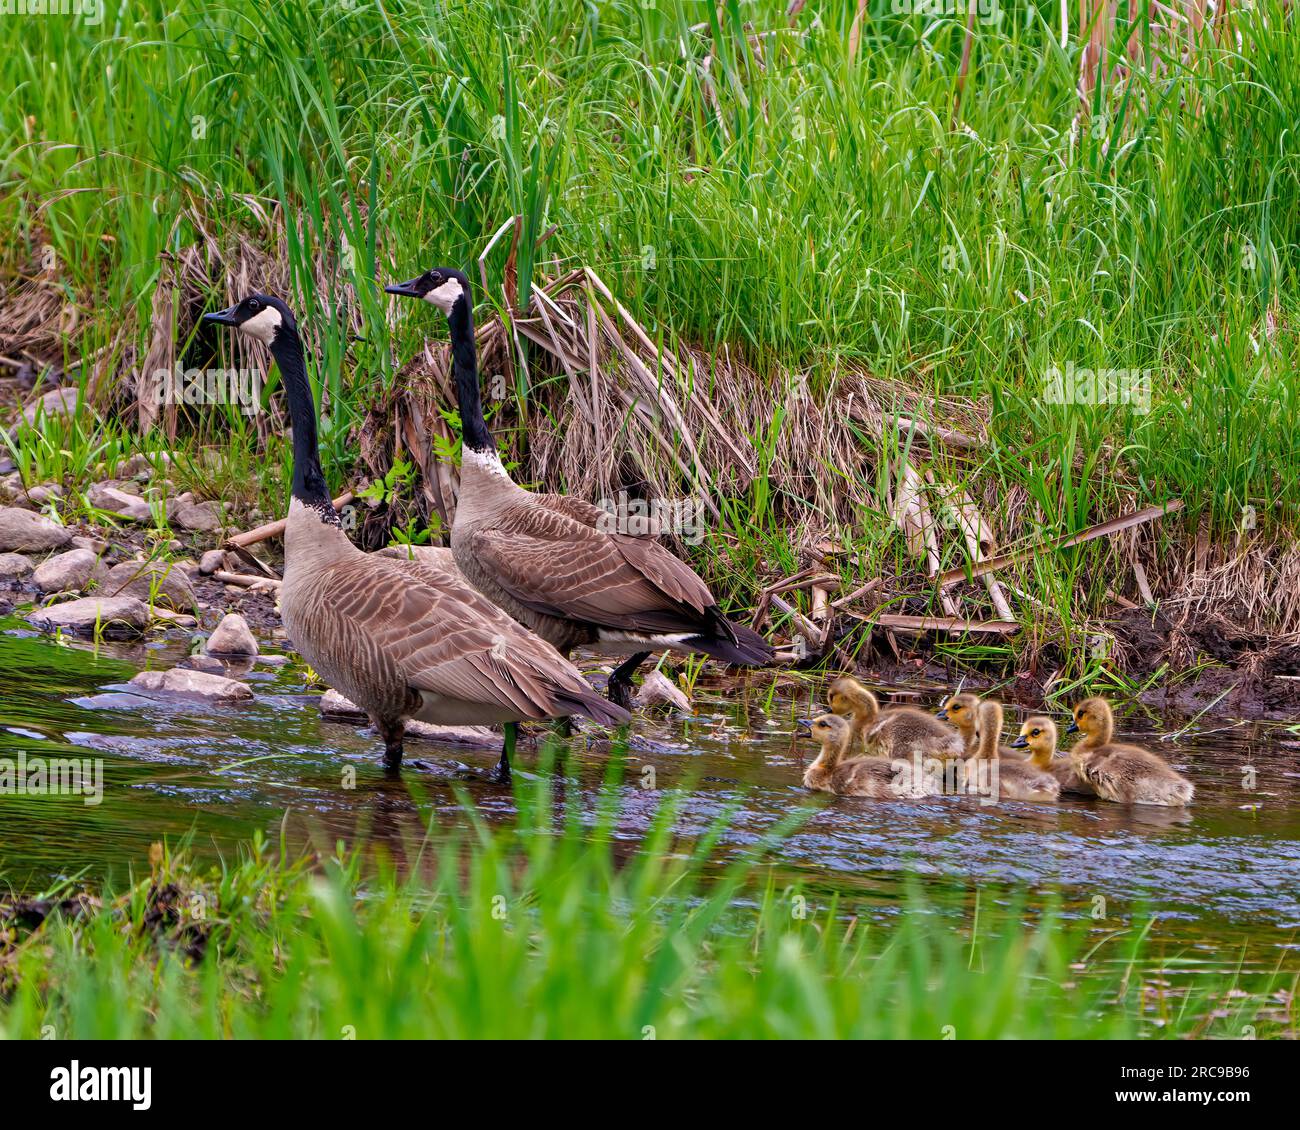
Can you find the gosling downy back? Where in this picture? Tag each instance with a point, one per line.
(1016, 780)
(1125, 774)
(892, 731)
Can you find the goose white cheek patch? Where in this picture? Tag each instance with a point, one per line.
(262, 325)
(444, 297)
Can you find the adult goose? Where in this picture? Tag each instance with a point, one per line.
(401, 638)
(556, 563)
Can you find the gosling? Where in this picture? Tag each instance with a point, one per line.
(895, 731)
(962, 710)
(834, 771)
(1016, 780)
(1038, 735)
(1125, 774)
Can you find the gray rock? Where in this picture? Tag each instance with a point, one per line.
(178, 619)
(434, 557)
(198, 517)
(21, 531)
(208, 663)
(185, 682)
(153, 581)
(211, 561)
(98, 546)
(273, 660)
(657, 691)
(231, 637)
(114, 616)
(72, 571)
(38, 496)
(106, 496)
(56, 402)
(141, 466)
(14, 567)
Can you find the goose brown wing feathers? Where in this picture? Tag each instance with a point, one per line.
(557, 565)
(446, 638)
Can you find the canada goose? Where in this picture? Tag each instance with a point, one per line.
(1126, 774)
(1016, 780)
(834, 771)
(402, 639)
(895, 731)
(559, 564)
(1038, 735)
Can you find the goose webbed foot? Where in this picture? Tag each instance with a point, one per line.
(620, 682)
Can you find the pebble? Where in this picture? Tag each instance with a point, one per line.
(21, 531)
(189, 683)
(231, 637)
(115, 616)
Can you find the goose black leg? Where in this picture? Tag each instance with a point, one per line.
(392, 735)
(501, 774)
(564, 727)
(620, 682)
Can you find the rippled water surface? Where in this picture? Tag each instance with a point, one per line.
(1223, 873)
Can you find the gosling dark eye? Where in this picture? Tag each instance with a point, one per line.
(1034, 733)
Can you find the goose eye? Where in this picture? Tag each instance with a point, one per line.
(253, 304)
(1034, 733)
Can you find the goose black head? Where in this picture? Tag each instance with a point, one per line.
(441, 286)
(259, 316)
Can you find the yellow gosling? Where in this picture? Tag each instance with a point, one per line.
(1125, 774)
(892, 732)
(834, 771)
(1039, 736)
(962, 711)
(1016, 780)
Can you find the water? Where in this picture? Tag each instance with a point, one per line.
(1219, 876)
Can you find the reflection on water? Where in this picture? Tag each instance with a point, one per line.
(1226, 870)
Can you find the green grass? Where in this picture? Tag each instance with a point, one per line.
(803, 208)
(550, 929)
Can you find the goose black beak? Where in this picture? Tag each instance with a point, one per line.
(405, 289)
(1020, 743)
(221, 317)
(1072, 728)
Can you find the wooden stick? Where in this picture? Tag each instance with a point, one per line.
(245, 580)
(275, 529)
(1102, 529)
(1144, 588)
(955, 624)
(861, 590)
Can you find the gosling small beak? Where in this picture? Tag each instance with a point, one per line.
(1020, 743)
(942, 715)
(804, 724)
(405, 289)
(1072, 728)
(222, 317)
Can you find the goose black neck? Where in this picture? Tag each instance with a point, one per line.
(464, 367)
(308, 479)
